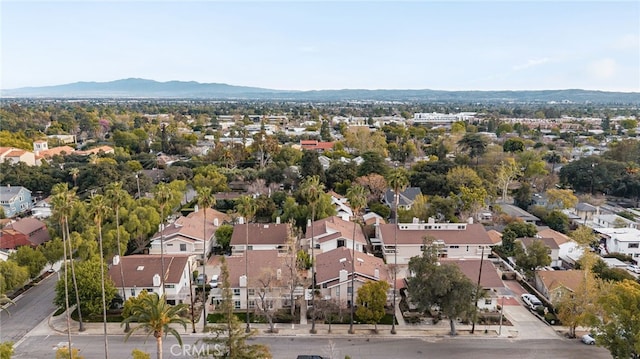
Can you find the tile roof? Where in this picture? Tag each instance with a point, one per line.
(191, 226)
(334, 227)
(559, 238)
(139, 269)
(470, 267)
(569, 279)
(549, 242)
(495, 236)
(329, 265)
(260, 262)
(473, 234)
(55, 151)
(261, 234)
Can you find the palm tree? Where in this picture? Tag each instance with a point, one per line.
(155, 316)
(205, 200)
(397, 179)
(63, 202)
(247, 207)
(164, 196)
(74, 172)
(357, 196)
(99, 208)
(116, 197)
(312, 190)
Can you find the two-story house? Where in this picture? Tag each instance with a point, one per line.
(621, 240)
(265, 275)
(569, 251)
(14, 155)
(23, 232)
(490, 281)
(262, 237)
(185, 235)
(142, 272)
(458, 240)
(334, 273)
(15, 200)
(334, 232)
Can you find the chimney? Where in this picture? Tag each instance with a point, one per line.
(431, 220)
(345, 217)
(216, 222)
(376, 273)
(195, 208)
(240, 220)
(470, 220)
(415, 220)
(243, 281)
(156, 280)
(308, 223)
(343, 275)
(116, 260)
(278, 220)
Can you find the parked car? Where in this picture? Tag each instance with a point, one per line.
(588, 339)
(201, 279)
(214, 281)
(633, 268)
(531, 301)
(310, 357)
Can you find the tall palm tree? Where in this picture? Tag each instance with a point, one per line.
(312, 190)
(247, 207)
(357, 196)
(155, 316)
(99, 207)
(63, 202)
(398, 180)
(164, 196)
(205, 200)
(74, 172)
(116, 196)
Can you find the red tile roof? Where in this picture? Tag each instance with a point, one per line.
(471, 267)
(261, 234)
(139, 269)
(260, 262)
(335, 227)
(329, 265)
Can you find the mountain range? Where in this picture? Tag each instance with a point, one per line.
(142, 88)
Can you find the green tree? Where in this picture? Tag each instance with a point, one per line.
(557, 220)
(373, 162)
(620, 325)
(472, 199)
(310, 166)
(357, 196)
(579, 307)
(6, 350)
(507, 173)
(229, 334)
(139, 354)
(154, 316)
(440, 285)
(30, 258)
(562, 197)
(53, 251)
(372, 297)
(223, 237)
(89, 289)
(63, 353)
(205, 200)
(534, 256)
(513, 145)
(246, 206)
(474, 144)
(460, 176)
(12, 276)
(165, 196)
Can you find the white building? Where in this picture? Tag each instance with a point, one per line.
(621, 240)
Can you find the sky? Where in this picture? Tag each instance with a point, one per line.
(305, 45)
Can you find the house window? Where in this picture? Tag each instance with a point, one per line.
(317, 246)
(488, 301)
(150, 290)
(236, 291)
(349, 290)
(133, 292)
(236, 304)
(340, 243)
(250, 248)
(633, 245)
(169, 285)
(252, 291)
(252, 304)
(456, 247)
(169, 244)
(337, 291)
(183, 247)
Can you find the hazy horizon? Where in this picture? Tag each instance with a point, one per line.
(326, 45)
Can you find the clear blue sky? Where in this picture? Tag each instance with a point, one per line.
(302, 45)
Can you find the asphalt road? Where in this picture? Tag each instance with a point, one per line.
(35, 347)
(35, 305)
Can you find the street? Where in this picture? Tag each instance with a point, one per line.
(35, 305)
(360, 347)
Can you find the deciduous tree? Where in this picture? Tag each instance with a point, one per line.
(372, 298)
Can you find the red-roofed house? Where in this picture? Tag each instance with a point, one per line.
(553, 284)
(185, 235)
(262, 236)
(333, 273)
(315, 145)
(460, 240)
(334, 232)
(23, 232)
(15, 155)
(262, 264)
(489, 279)
(143, 272)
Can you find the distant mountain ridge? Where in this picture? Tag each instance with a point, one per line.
(142, 88)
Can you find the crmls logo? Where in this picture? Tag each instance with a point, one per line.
(197, 351)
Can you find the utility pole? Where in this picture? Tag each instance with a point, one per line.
(475, 312)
